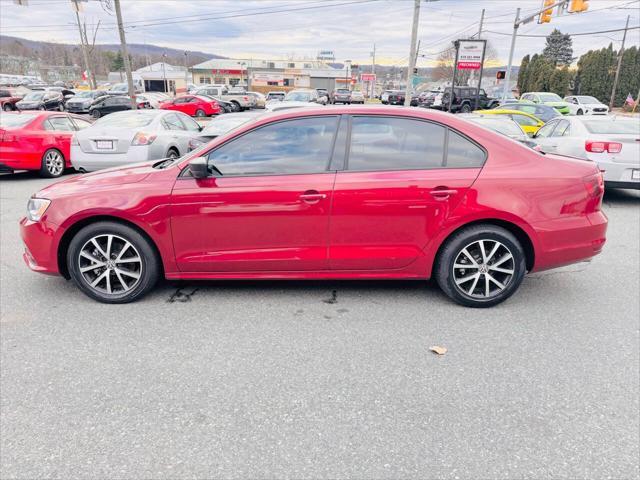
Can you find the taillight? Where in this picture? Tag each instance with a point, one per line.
(595, 146)
(143, 138)
(594, 184)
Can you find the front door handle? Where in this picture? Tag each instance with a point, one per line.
(312, 196)
(442, 193)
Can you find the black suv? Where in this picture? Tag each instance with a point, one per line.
(464, 100)
(396, 97)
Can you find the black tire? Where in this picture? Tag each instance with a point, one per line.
(579, 112)
(52, 164)
(42, 107)
(466, 108)
(96, 114)
(468, 238)
(7, 107)
(236, 106)
(61, 107)
(200, 113)
(173, 153)
(149, 265)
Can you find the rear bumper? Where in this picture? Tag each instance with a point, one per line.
(633, 185)
(90, 162)
(617, 172)
(569, 240)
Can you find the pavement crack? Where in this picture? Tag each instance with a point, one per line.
(180, 296)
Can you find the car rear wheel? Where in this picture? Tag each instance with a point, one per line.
(480, 266)
(96, 113)
(52, 165)
(173, 154)
(61, 107)
(466, 108)
(112, 263)
(200, 113)
(7, 107)
(579, 112)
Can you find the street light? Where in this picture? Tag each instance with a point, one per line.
(347, 64)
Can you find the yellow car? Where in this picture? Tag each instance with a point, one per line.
(529, 123)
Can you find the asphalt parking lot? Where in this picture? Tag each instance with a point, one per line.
(322, 379)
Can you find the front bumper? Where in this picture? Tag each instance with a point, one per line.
(40, 253)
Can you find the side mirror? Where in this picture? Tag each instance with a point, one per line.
(198, 167)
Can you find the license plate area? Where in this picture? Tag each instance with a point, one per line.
(635, 174)
(104, 144)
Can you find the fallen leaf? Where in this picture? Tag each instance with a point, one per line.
(439, 350)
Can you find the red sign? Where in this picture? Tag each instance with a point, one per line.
(368, 77)
(469, 65)
(470, 54)
(220, 71)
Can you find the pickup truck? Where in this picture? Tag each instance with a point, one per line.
(239, 100)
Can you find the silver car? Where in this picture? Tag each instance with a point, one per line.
(612, 142)
(132, 136)
(222, 124)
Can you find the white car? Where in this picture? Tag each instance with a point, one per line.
(586, 105)
(612, 142)
(132, 136)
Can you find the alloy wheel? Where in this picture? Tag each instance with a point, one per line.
(483, 269)
(110, 264)
(54, 163)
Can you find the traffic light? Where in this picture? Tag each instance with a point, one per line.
(545, 16)
(578, 6)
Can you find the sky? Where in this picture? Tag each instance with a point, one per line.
(278, 29)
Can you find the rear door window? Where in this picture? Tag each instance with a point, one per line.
(61, 124)
(562, 129)
(463, 153)
(172, 122)
(546, 130)
(388, 143)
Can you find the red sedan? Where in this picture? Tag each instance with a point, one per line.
(35, 140)
(345, 193)
(194, 105)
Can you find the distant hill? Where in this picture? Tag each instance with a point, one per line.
(104, 55)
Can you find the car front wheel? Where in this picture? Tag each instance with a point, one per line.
(52, 165)
(481, 266)
(112, 263)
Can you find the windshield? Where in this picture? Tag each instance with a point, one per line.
(222, 125)
(587, 99)
(135, 119)
(120, 87)
(297, 97)
(618, 125)
(12, 120)
(343, 90)
(550, 97)
(34, 96)
(501, 126)
(85, 94)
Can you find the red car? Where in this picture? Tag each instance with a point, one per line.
(8, 99)
(194, 105)
(38, 140)
(341, 193)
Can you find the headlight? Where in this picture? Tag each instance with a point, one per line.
(36, 208)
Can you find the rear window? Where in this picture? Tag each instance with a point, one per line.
(613, 126)
(500, 125)
(343, 90)
(126, 120)
(15, 120)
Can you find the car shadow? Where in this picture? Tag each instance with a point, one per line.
(618, 197)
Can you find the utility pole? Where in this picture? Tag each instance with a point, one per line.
(481, 22)
(125, 54)
(412, 53)
(186, 72)
(507, 77)
(620, 54)
(481, 68)
(85, 56)
(373, 71)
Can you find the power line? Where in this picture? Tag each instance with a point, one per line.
(570, 34)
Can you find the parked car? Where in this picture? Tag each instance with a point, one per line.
(42, 100)
(123, 88)
(109, 104)
(8, 99)
(501, 124)
(341, 95)
(124, 138)
(83, 100)
(396, 97)
(546, 98)
(357, 97)
(464, 100)
(529, 123)
(459, 203)
(38, 141)
(612, 142)
(543, 112)
(586, 105)
(260, 99)
(426, 98)
(323, 95)
(226, 107)
(194, 105)
(384, 96)
(275, 96)
(221, 125)
(237, 98)
(301, 95)
(279, 106)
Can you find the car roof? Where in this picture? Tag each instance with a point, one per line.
(507, 111)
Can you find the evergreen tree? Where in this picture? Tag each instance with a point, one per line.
(558, 49)
(522, 74)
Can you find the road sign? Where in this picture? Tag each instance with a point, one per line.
(368, 77)
(470, 54)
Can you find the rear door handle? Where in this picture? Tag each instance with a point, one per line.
(312, 196)
(443, 193)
